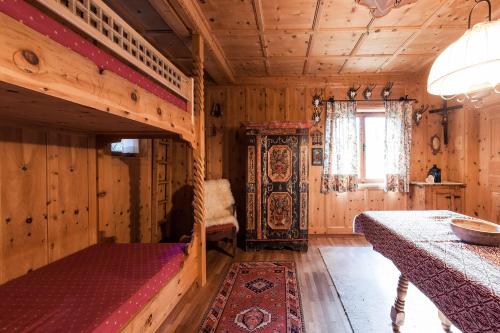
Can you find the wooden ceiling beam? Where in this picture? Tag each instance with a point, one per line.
(259, 18)
(174, 21)
(271, 31)
(199, 24)
(442, 7)
(322, 57)
(316, 23)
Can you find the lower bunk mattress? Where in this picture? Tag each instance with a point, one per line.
(98, 289)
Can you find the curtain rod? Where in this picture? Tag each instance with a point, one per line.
(374, 100)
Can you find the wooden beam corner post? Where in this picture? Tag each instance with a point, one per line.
(199, 152)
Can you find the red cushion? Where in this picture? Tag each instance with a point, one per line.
(219, 228)
(97, 289)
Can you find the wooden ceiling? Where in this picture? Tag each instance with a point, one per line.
(325, 37)
(314, 37)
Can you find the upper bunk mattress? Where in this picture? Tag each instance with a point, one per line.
(97, 289)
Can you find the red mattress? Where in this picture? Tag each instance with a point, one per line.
(97, 289)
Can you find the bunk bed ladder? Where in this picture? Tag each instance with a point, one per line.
(162, 187)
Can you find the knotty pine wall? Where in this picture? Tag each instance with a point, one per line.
(291, 99)
(124, 193)
(46, 207)
(61, 191)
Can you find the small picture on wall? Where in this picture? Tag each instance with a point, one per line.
(317, 156)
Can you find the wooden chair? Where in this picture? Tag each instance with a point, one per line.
(220, 213)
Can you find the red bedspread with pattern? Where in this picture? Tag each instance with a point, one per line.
(97, 289)
(463, 280)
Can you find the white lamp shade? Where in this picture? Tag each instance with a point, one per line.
(470, 64)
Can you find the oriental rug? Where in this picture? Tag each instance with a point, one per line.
(259, 297)
(366, 284)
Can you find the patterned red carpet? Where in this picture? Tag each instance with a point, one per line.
(259, 297)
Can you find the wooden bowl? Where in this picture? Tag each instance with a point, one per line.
(476, 231)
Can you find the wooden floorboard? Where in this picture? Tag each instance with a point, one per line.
(323, 311)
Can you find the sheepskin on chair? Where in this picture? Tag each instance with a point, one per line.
(219, 203)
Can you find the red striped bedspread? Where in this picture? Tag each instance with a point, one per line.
(97, 289)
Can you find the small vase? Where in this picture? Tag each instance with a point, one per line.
(436, 172)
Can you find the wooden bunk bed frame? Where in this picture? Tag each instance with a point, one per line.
(148, 101)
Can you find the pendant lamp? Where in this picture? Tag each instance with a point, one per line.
(470, 66)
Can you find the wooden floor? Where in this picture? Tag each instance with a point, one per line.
(323, 311)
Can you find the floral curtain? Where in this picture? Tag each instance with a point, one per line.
(340, 166)
(398, 127)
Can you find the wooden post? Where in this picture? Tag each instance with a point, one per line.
(199, 152)
(445, 322)
(397, 310)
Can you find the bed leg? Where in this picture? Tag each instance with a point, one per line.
(445, 322)
(397, 310)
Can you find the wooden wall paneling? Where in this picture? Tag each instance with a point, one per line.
(23, 201)
(143, 213)
(290, 99)
(471, 152)
(92, 176)
(255, 104)
(215, 132)
(275, 103)
(124, 191)
(68, 193)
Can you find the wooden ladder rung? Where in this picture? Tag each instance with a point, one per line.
(162, 162)
(162, 182)
(162, 201)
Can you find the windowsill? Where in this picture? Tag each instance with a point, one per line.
(378, 186)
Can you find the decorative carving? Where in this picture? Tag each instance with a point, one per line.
(317, 103)
(368, 92)
(279, 163)
(352, 93)
(279, 209)
(317, 156)
(317, 138)
(387, 90)
(303, 210)
(250, 211)
(251, 164)
(418, 114)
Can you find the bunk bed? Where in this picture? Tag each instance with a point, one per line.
(77, 65)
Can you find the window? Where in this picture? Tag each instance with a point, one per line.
(125, 147)
(371, 136)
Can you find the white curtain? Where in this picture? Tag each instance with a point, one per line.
(398, 127)
(340, 165)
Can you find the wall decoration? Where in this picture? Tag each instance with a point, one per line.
(279, 210)
(279, 163)
(352, 92)
(317, 138)
(418, 114)
(387, 90)
(317, 156)
(368, 92)
(216, 111)
(317, 103)
(436, 144)
(444, 113)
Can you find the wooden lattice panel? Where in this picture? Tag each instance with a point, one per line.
(100, 22)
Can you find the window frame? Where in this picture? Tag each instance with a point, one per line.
(362, 115)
